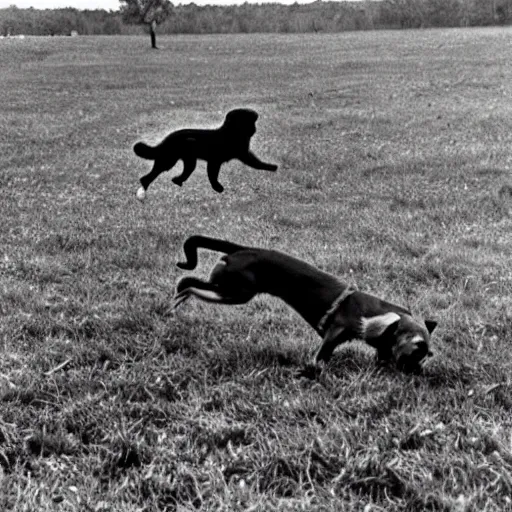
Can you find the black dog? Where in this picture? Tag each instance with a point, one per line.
(215, 146)
(337, 312)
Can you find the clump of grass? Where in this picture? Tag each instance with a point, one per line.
(45, 445)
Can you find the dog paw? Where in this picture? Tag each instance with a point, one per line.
(177, 181)
(310, 371)
(141, 194)
(218, 188)
(272, 167)
(411, 369)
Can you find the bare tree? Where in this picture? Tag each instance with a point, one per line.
(146, 12)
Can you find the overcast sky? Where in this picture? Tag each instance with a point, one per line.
(114, 4)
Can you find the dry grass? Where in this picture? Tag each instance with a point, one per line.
(394, 152)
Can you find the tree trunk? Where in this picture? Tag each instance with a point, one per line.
(152, 32)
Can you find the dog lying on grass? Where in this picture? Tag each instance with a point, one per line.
(216, 147)
(336, 311)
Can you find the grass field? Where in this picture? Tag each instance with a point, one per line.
(395, 162)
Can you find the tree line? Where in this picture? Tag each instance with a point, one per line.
(319, 16)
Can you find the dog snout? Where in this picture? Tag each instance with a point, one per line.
(413, 361)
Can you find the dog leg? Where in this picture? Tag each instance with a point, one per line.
(189, 165)
(213, 170)
(209, 292)
(180, 297)
(184, 286)
(384, 354)
(209, 296)
(333, 337)
(147, 179)
(253, 161)
(206, 295)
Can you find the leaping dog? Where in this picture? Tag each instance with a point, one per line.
(215, 146)
(336, 311)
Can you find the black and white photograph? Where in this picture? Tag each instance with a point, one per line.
(256, 256)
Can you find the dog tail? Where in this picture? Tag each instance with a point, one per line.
(213, 244)
(145, 151)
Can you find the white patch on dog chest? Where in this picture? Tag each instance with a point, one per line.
(374, 326)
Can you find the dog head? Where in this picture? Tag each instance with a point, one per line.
(403, 338)
(241, 121)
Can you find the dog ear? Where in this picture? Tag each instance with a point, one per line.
(431, 325)
(376, 326)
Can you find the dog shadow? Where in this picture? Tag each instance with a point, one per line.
(351, 363)
(444, 376)
(343, 364)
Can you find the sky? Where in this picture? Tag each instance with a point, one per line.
(114, 4)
